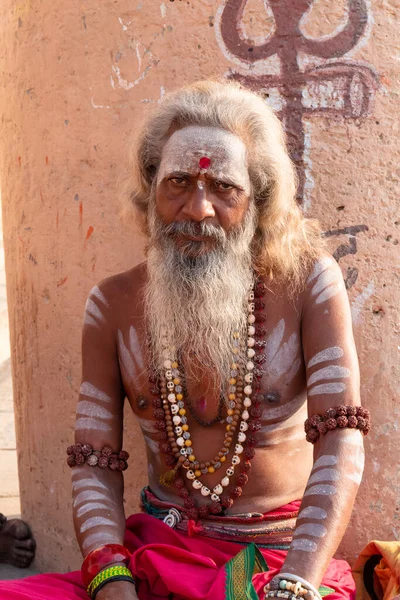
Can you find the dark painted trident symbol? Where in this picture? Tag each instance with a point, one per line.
(351, 84)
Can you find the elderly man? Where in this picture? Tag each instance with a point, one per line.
(234, 331)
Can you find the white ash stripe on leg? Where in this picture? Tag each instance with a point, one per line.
(135, 349)
(332, 353)
(100, 537)
(330, 372)
(96, 522)
(85, 508)
(88, 408)
(320, 490)
(313, 512)
(91, 391)
(326, 460)
(304, 545)
(91, 424)
(311, 529)
(327, 388)
(88, 496)
(99, 295)
(324, 475)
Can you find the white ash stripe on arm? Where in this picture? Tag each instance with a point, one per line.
(93, 315)
(326, 460)
(99, 538)
(320, 490)
(313, 512)
(87, 483)
(320, 266)
(311, 529)
(92, 522)
(89, 506)
(91, 424)
(98, 295)
(89, 496)
(332, 353)
(324, 475)
(304, 545)
(91, 391)
(327, 388)
(329, 372)
(88, 408)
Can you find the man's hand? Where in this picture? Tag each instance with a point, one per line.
(118, 590)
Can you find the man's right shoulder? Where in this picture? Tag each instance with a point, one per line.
(115, 289)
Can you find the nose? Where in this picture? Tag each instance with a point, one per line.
(198, 206)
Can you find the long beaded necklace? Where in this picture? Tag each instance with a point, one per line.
(243, 412)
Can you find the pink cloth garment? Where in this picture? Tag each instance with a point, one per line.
(171, 565)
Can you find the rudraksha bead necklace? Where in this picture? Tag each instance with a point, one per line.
(175, 439)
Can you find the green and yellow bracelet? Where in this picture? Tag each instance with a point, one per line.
(116, 573)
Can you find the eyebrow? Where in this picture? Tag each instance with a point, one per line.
(227, 180)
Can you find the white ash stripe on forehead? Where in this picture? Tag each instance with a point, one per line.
(330, 372)
(227, 152)
(311, 529)
(91, 424)
(326, 460)
(321, 265)
(304, 545)
(78, 484)
(91, 409)
(100, 537)
(313, 512)
(91, 391)
(85, 508)
(135, 348)
(89, 496)
(98, 294)
(320, 490)
(324, 475)
(332, 353)
(96, 522)
(327, 388)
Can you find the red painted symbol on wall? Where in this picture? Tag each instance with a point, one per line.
(335, 87)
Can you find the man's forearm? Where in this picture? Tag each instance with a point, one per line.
(327, 504)
(97, 500)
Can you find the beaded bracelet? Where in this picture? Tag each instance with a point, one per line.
(78, 454)
(338, 417)
(290, 587)
(101, 557)
(116, 573)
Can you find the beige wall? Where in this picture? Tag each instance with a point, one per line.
(76, 78)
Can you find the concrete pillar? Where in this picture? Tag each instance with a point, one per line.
(76, 79)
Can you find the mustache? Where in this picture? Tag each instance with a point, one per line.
(196, 229)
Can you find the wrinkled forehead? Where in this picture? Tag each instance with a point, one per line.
(185, 147)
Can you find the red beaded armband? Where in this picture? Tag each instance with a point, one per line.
(100, 558)
(338, 417)
(79, 454)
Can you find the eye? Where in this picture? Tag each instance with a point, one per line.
(222, 185)
(181, 181)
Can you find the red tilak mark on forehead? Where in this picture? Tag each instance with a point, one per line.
(204, 163)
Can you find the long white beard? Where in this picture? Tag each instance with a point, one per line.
(200, 297)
